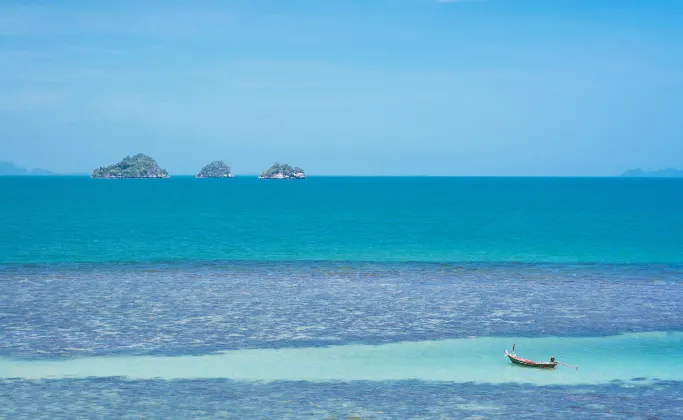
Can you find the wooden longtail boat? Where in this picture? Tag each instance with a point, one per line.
(530, 363)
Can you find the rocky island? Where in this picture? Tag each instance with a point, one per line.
(278, 171)
(216, 169)
(138, 166)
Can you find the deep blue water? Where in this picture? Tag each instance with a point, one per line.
(198, 308)
(192, 267)
(210, 399)
(70, 219)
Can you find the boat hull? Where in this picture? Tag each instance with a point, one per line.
(530, 363)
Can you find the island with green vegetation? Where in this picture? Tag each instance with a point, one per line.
(138, 166)
(279, 171)
(216, 169)
(660, 173)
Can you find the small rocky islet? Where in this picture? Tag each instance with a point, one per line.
(215, 169)
(283, 171)
(137, 166)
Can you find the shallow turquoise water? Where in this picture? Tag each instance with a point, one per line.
(70, 219)
(641, 357)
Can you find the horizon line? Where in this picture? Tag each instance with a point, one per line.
(249, 175)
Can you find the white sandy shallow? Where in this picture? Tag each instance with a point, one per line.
(655, 355)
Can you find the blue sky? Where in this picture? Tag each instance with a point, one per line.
(415, 87)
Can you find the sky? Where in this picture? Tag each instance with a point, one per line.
(345, 87)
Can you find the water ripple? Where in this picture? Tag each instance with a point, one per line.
(211, 399)
(197, 308)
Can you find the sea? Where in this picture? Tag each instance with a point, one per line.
(340, 298)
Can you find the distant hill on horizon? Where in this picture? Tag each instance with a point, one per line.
(9, 168)
(660, 173)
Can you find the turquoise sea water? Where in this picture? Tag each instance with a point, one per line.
(334, 297)
(74, 219)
